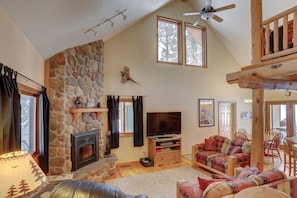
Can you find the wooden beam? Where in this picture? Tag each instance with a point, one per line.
(274, 70)
(254, 82)
(257, 149)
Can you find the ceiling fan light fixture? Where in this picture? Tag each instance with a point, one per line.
(207, 15)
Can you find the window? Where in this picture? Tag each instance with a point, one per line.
(126, 120)
(169, 40)
(195, 45)
(29, 119)
(282, 116)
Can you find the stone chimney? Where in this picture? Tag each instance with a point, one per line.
(75, 72)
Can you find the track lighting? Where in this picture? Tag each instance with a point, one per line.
(107, 20)
(96, 34)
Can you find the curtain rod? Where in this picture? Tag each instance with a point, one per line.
(25, 78)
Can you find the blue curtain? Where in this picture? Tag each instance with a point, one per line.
(138, 120)
(113, 117)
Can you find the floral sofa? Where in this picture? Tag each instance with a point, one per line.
(228, 186)
(221, 155)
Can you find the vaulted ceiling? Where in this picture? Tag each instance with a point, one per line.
(55, 25)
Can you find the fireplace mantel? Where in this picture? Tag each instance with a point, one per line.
(78, 112)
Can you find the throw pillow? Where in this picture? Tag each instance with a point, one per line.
(234, 150)
(249, 170)
(246, 147)
(220, 138)
(203, 183)
(210, 145)
(225, 146)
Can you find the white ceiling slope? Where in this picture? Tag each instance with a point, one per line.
(55, 25)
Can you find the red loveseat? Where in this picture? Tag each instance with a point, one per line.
(221, 155)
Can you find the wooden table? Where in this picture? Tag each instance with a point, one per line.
(291, 139)
(261, 192)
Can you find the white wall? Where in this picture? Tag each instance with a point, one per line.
(169, 87)
(17, 52)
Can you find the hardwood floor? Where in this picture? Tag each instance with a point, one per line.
(135, 168)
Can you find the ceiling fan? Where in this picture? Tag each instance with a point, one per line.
(209, 12)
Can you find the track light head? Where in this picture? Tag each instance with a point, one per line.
(111, 23)
(124, 16)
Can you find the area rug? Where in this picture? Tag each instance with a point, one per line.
(156, 184)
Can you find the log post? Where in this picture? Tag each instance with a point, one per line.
(257, 148)
(257, 151)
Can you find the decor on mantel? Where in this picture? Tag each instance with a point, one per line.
(126, 75)
(20, 175)
(93, 29)
(78, 102)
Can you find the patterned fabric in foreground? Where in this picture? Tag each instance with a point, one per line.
(157, 184)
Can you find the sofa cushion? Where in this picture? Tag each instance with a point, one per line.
(205, 156)
(189, 189)
(223, 188)
(203, 183)
(268, 176)
(210, 145)
(249, 170)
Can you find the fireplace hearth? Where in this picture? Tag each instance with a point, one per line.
(84, 148)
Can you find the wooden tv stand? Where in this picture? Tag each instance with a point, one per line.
(165, 150)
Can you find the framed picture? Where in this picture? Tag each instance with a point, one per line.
(206, 112)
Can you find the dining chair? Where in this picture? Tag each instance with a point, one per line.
(294, 158)
(271, 146)
(289, 161)
(272, 131)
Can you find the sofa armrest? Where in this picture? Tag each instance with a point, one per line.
(195, 149)
(232, 164)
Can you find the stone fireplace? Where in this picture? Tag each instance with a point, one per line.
(75, 72)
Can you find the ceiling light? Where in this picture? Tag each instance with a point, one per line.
(111, 23)
(106, 20)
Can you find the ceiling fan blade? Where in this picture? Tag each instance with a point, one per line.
(218, 19)
(191, 13)
(225, 8)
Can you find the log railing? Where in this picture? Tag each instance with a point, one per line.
(280, 35)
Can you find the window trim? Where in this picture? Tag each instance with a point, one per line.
(26, 90)
(180, 53)
(204, 44)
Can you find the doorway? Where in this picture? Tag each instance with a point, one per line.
(227, 118)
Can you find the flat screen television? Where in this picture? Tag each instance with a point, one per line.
(163, 123)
